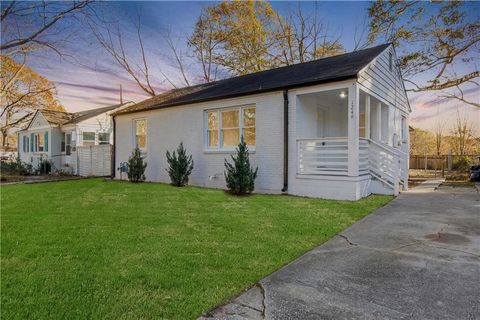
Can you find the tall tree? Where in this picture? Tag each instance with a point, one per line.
(249, 36)
(22, 92)
(236, 35)
(435, 38)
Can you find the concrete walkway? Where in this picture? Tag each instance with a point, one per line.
(416, 258)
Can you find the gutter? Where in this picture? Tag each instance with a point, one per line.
(112, 173)
(285, 140)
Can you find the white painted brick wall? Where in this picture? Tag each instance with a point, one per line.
(167, 127)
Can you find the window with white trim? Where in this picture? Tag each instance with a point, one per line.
(140, 127)
(103, 138)
(88, 138)
(226, 126)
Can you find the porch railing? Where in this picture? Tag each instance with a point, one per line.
(328, 156)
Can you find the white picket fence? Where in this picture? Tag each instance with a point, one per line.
(94, 160)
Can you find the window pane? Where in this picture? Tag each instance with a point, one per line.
(104, 138)
(249, 117)
(141, 134)
(230, 119)
(89, 136)
(212, 120)
(231, 137)
(213, 138)
(141, 142)
(249, 136)
(141, 127)
(41, 142)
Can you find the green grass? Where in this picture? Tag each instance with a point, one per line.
(114, 250)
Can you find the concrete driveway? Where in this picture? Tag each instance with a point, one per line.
(416, 258)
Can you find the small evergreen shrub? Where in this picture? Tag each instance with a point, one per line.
(44, 167)
(136, 167)
(240, 176)
(180, 165)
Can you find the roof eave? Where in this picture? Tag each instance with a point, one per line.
(260, 91)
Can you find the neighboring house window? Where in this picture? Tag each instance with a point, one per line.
(62, 143)
(226, 126)
(141, 134)
(88, 138)
(68, 144)
(39, 142)
(103, 138)
(24, 144)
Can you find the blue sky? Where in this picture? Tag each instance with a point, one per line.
(91, 79)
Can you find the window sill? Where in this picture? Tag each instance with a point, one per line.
(226, 151)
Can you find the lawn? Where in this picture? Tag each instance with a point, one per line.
(114, 250)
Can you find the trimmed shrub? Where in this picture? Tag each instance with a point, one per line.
(462, 163)
(180, 165)
(240, 176)
(136, 166)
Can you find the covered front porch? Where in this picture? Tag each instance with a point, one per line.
(345, 133)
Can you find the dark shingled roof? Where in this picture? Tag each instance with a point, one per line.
(84, 115)
(336, 68)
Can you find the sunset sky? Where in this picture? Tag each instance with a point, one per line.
(87, 77)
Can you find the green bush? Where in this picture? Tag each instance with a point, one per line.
(44, 167)
(179, 166)
(240, 176)
(136, 166)
(15, 166)
(462, 163)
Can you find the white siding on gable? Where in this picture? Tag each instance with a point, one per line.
(38, 121)
(167, 127)
(100, 123)
(385, 83)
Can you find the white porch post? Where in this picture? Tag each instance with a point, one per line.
(367, 116)
(353, 130)
(379, 122)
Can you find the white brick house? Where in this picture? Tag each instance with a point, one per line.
(331, 128)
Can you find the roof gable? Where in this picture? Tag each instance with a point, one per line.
(336, 68)
(38, 121)
(383, 77)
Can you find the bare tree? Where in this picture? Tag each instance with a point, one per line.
(26, 25)
(304, 38)
(462, 134)
(435, 37)
(439, 135)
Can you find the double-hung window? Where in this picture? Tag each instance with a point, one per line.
(140, 134)
(226, 126)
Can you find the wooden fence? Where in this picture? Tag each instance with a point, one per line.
(438, 162)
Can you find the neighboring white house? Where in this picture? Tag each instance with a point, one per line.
(332, 128)
(58, 136)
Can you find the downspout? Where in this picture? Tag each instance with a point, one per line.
(113, 148)
(285, 140)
